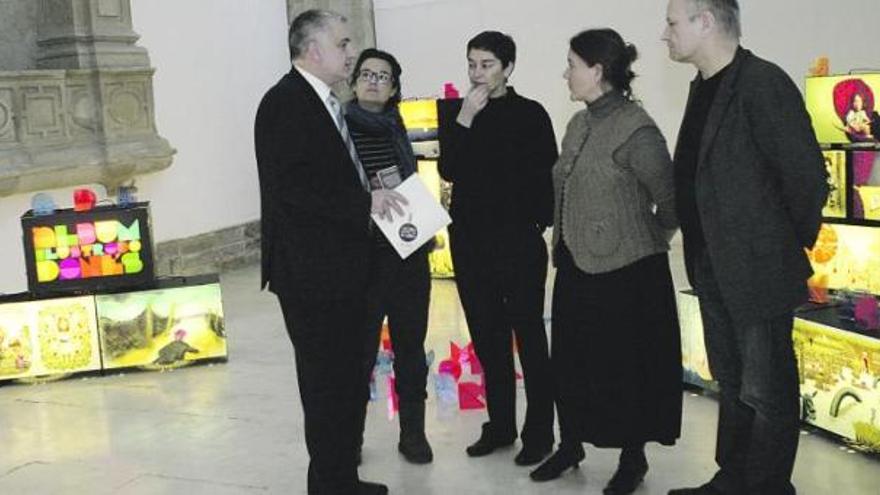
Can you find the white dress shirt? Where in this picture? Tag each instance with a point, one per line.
(320, 87)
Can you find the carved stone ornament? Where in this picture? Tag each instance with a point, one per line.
(87, 114)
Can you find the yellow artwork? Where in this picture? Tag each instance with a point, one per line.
(66, 336)
(870, 196)
(839, 373)
(842, 108)
(440, 258)
(835, 164)
(16, 348)
(48, 339)
(847, 257)
(694, 360)
(419, 114)
(840, 381)
(163, 328)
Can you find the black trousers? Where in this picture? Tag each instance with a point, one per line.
(756, 370)
(400, 289)
(501, 286)
(328, 366)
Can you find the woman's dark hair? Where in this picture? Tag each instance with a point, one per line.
(396, 71)
(499, 44)
(607, 48)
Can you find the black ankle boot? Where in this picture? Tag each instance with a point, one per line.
(489, 442)
(531, 454)
(413, 443)
(564, 458)
(631, 470)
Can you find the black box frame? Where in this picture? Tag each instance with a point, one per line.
(68, 217)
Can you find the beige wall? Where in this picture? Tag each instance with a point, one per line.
(429, 38)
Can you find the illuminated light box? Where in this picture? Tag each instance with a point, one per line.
(839, 377)
(866, 184)
(694, 358)
(440, 258)
(844, 108)
(48, 338)
(163, 328)
(847, 257)
(420, 118)
(77, 252)
(835, 164)
(838, 371)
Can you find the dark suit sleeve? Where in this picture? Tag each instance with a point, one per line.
(269, 152)
(287, 166)
(784, 135)
(540, 156)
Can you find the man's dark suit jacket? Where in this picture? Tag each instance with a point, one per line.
(760, 188)
(315, 212)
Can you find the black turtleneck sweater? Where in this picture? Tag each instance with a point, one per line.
(500, 167)
(687, 158)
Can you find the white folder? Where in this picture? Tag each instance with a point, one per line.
(422, 218)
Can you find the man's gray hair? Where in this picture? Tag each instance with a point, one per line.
(726, 13)
(304, 26)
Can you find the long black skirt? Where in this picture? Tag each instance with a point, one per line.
(616, 353)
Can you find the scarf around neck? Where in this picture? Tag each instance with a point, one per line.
(388, 124)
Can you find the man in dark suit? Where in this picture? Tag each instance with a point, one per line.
(316, 209)
(750, 186)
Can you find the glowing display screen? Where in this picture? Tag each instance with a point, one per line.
(80, 251)
(844, 108)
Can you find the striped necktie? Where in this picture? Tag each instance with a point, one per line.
(339, 117)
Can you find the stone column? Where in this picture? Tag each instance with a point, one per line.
(86, 115)
(87, 34)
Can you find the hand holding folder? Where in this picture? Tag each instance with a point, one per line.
(422, 217)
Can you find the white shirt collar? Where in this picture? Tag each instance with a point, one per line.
(318, 85)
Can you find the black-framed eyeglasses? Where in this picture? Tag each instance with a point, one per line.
(367, 75)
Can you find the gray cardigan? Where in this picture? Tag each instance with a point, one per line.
(614, 186)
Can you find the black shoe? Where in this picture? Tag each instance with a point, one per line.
(415, 448)
(562, 459)
(368, 488)
(706, 489)
(488, 443)
(413, 443)
(530, 455)
(627, 478)
(359, 458)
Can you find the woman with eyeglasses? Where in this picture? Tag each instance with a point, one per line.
(398, 288)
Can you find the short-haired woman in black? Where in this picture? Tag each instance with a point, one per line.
(398, 288)
(497, 148)
(615, 337)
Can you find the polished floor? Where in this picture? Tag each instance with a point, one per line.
(236, 428)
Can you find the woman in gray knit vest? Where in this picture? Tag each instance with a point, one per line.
(615, 337)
